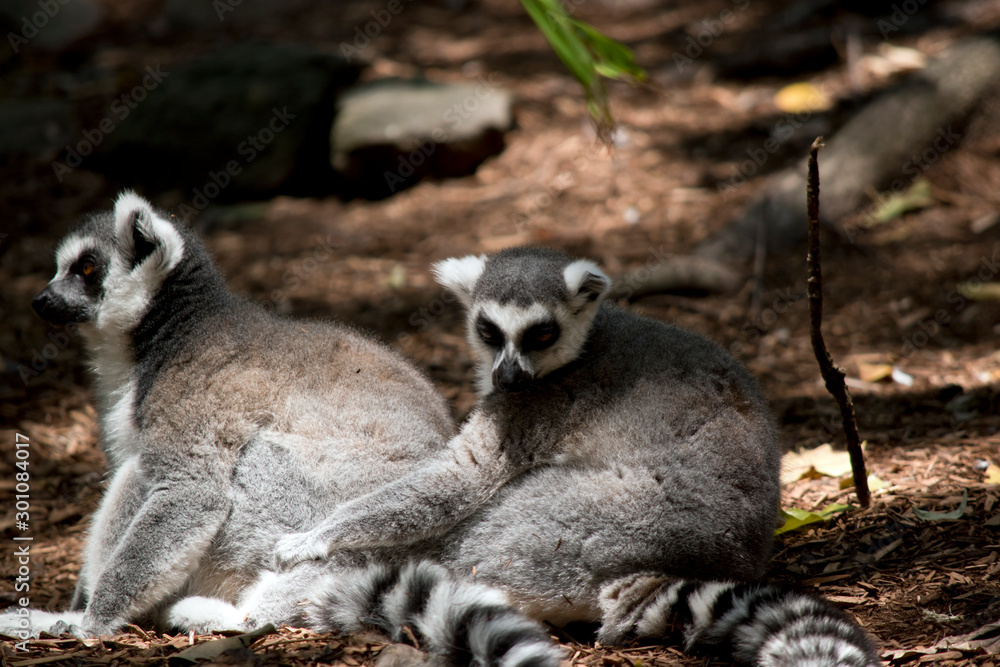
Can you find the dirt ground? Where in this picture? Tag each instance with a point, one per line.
(910, 582)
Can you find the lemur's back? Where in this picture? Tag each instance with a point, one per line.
(314, 413)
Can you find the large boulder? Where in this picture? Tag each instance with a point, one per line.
(249, 119)
(391, 133)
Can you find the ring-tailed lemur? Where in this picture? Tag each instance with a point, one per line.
(225, 427)
(615, 468)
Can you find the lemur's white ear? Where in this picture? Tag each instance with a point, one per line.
(458, 275)
(586, 283)
(142, 234)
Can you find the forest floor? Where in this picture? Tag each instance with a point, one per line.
(891, 297)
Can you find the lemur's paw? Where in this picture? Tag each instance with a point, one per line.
(298, 547)
(205, 615)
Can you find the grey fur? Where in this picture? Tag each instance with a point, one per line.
(632, 453)
(648, 449)
(226, 426)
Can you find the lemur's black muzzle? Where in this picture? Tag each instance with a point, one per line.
(509, 376)
(53, 306)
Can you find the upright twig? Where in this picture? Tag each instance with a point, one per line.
(833, 375)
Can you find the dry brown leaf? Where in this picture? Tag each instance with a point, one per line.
(874, 372)
(813, 463)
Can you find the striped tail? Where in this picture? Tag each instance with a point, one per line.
(462, 622)
(754, 624)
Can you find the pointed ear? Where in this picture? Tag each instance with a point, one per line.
(142, 234)
(459, 275)
(586, 283)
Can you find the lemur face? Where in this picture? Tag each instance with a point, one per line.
(518, 341)
(108, 271)
(75, 292)
(528, 311)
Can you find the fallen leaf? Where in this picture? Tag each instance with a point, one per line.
(873, 372)
(980, 291)
(992, 474)
(813, 463)
(213, 649)
(874, 483)
(944, 516)
(801, 97)
(915, 197)
(796, 518)
(397, 277)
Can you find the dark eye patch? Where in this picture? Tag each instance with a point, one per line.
(540, 336)
(488, 332)
(87, 267)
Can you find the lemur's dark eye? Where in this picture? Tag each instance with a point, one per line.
(488, 332)
(86, 266)
(540, 336)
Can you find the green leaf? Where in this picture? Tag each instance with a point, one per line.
(796, 518)
(916, 197)
(588, 54)
(944, 516)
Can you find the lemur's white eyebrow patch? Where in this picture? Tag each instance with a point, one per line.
(514, 320)
(70, 250)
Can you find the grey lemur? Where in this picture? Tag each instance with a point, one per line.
(225, 426)
(615, 468)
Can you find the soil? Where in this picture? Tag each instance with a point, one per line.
(891, 294)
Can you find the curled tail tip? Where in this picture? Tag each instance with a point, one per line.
(760, 625)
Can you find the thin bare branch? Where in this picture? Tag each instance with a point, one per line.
(833, 375)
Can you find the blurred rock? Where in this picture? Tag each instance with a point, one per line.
(34, 127)
(245, 120)
(203, 15)
(391, 133)
(51, 25)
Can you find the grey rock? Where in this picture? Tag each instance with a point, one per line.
(248, 119)
(391, 133)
